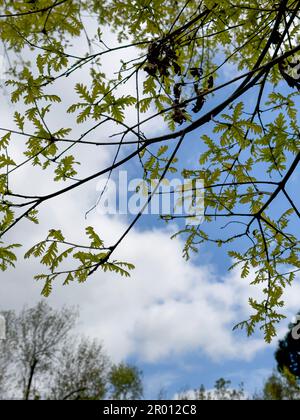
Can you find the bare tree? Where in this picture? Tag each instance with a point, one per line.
(5, 355)
(81, 372)
(43, 358)
(34, 339)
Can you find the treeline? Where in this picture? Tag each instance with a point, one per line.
(42, 357)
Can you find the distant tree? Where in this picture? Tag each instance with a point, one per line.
(5, 357)
(81, 372)
(288, 352)
(222, 391)
(43, 359)
(126, 382)
(280, 387)
(285, 383)
(273, 389)
(34, 340)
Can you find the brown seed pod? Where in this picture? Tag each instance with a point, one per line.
(196, 72)
(210, 82)
(179, 116)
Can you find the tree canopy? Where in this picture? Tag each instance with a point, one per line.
(245, 126)
(284, 384)
(288, 352)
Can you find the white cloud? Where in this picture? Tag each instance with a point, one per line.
(168, 307)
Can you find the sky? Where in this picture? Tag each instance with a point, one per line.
(172, 318)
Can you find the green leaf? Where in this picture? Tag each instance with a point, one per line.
(96, 242)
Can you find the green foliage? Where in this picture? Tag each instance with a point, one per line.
(222, 392)
(281, 388)
(7, 256)
(125, 382)
(54, 250)
(65, 169)
(246, 128)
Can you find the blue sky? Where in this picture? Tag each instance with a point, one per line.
(189, 369)
(192, 368)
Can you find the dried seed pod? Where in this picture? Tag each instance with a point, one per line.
(177, 68)
(196, 89)
(196, 72)
(210, 82)
(177, 90)
(151, 69)
(199, 104)
(179, 116)
(153, 52)
(276, 38)
(291, 81)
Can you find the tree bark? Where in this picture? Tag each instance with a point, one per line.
(30, 379)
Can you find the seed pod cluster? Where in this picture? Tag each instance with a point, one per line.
(161, 58)
(292, 80)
